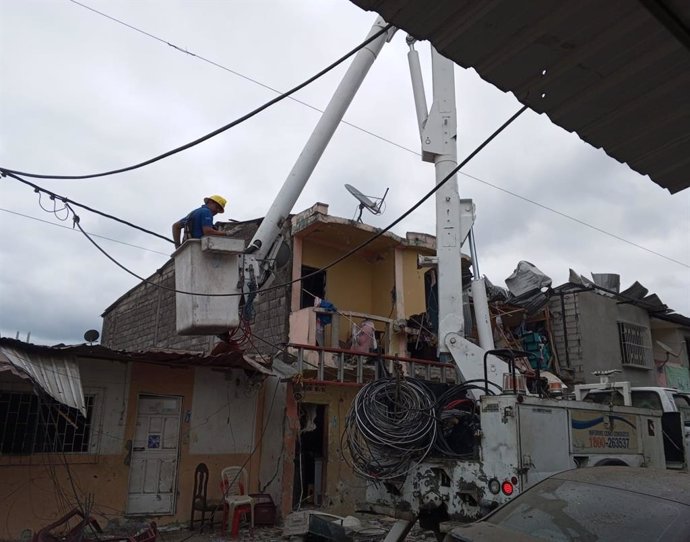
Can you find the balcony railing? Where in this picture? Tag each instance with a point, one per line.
(322, 364)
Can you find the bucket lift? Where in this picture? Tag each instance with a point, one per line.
(222, 271)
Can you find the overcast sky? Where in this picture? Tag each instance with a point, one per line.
(81, 93)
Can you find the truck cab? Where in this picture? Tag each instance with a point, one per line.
(673, 403)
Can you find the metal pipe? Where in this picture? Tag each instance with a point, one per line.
(473, 253)
(417, 84)
(482, 314)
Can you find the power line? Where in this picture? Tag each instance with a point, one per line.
(65, 200)
(337, 260)
(238, 74)
(210, 134)
(582, 222)
(368, 132)
(92, 234)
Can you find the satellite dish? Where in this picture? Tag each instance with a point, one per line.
(91, 335)
(365, 202)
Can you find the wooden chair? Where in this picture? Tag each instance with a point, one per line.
(234, 483)
(200, 502)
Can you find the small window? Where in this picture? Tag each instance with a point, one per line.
(605, 397)
(31, 425)
(646, 399)
(683, 403)
(635, 350)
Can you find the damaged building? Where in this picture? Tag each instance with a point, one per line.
(273, 396)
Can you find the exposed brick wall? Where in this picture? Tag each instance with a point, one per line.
(144, 318)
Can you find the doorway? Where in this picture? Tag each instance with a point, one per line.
(310, 457)
(313, 286)
(154, 456)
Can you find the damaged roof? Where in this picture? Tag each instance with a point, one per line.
(228, 360)
(617, 72)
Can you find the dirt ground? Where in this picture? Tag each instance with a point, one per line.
(373, 528)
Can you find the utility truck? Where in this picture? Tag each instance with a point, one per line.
(672, 403)
(512, 437)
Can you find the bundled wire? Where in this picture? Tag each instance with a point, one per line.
(390, 428)
(458, 421)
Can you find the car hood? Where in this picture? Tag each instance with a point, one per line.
(487, 532)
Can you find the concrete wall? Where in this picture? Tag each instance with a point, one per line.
(592, 324)
(343, 489)
(274, 448)
(36, 489)
(348, 284)
(110, 380)
(413, 280)
(224, 410)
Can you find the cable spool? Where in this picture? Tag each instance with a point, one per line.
(390, 427)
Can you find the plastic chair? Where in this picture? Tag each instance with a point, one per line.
(234, 483)
(200, 503)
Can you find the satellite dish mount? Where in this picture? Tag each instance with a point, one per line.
(367, 202)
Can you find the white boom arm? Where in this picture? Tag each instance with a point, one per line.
(454, 221)
(269, 231)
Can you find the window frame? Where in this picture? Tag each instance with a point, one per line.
(92, 448)
(629, 349)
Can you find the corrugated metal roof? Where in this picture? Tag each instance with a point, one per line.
(616, 72)
(55, 372)
(225, 360)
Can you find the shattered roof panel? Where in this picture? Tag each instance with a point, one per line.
(54, 371)
(616, 72)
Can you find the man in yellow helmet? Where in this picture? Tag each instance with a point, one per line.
(200, 221)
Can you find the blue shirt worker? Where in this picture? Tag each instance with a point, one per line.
(200, 221)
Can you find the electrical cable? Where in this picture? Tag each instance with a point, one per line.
(214, 133)
(66, 200)
(92, 234)
(357, 248)
(377, 136)
(238, 74)
(390, 428)
(403, 147)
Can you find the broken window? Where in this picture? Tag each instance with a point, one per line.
(635, 349)
(29, 424)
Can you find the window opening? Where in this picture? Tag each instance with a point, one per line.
(29, 424)
(314, 285)
(635, 350)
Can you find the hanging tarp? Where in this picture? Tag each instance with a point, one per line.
(55, 373)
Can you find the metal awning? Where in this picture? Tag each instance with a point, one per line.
(616, 72)
(56, 373)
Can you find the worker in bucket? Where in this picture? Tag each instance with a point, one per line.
(200, 221)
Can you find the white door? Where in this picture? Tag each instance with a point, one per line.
(153, 465)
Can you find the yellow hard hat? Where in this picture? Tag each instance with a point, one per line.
(220, 200)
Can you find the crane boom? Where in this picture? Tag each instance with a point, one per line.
(269, 231)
